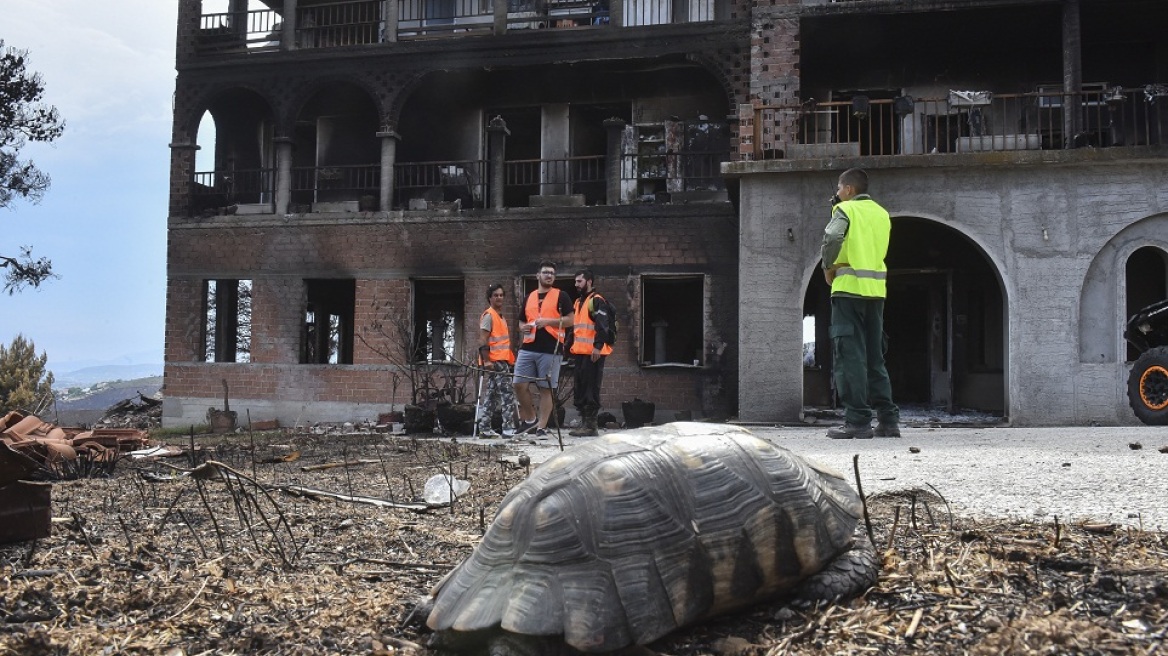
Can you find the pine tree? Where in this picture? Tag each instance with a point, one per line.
(25, 383)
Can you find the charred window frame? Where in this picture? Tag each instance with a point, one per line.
(673, 320)
(227, 320)
(327, 331)
(439, 320)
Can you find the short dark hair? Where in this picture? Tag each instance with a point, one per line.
(547, 264)
(587, 273)
(856, 179)
(492, 288)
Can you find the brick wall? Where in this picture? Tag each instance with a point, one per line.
(384, 254)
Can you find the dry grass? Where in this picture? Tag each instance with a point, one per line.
(152, 561)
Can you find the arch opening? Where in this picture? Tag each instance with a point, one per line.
(945, 318)
(1146, 275)
(235, 164)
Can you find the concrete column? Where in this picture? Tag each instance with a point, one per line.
(500, 12)
(613, 160)
(616, 13)
(283, 174)
(389, 22)
(182, 173)
(238, 11)
(388, 159)
(1072, 72)
(497, 158)
(680, 12)
(288, 27)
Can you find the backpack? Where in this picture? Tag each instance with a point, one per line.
(601, 305)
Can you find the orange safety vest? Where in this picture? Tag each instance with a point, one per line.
(550, 309)
(499, 341)
(584, 329)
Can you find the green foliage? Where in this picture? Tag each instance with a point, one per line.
(24, 117)
(25, 384)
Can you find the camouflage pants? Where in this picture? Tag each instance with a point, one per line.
(498, 396)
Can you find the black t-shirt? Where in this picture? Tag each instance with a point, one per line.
(544, 342)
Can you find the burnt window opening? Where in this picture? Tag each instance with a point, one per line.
(1147, 282)
(327, 333)
(439, 320)
(673, 320)
(227, 321)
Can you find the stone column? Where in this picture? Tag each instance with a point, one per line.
(497, 158)
(388, 159)
(389, 22)
(1072, 72)
(616, 13)
(182, 174)
(500, 13)
(613, 160)
(288, 28)
(238, 18)
(189, 17)
(283, 174)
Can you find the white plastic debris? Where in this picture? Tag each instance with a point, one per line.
(437, 489)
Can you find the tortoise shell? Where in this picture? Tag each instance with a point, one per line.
(620, 540)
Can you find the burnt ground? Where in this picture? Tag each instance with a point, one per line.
(154, 561)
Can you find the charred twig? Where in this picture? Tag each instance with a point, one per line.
(211, 514)
(79, 522)
(334, 465)
(299, 490)
(169, 509)
(194, 533)
(863, 499)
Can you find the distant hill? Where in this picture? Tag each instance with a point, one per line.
(88, 376)
(85, 405)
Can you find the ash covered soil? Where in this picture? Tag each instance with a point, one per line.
(151, 560)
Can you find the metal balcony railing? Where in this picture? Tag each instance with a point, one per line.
(963, 122)
(239, 31)
(224, 188)
(340, 24)
(364, 22)
(564, 176)
(324, 184)
(444, 181)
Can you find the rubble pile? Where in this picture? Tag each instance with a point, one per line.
(143, 413)
(41, 450)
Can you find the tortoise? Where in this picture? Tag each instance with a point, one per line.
(620, 540)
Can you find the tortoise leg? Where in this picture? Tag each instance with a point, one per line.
(852, 572)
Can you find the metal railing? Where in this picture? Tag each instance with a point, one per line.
(964, 122)
(444, 181)
(240, 31)
(568, 175)
(340, 24)
(665, 12)
(427, 18)
(347, 182)
(223, 188)
(362, 22)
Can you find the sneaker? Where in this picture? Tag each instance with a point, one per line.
(526, 427)
(890, 429)
(488, 434)
(850, 431)
(508, 432)
(539, 432)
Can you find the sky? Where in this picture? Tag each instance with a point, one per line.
(109, 69)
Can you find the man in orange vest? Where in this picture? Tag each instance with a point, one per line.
(542, 320)
(590, 322)
(496, 356)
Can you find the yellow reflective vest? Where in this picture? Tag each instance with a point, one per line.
(860, 269)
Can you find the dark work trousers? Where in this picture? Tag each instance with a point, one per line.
(858, 342)
(586, 396)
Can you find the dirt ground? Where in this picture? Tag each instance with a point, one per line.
(152, 560)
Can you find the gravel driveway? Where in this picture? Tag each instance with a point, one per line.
(1037, 474)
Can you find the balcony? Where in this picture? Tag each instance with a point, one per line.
(368, 22)
(964, 122)
(464, 185)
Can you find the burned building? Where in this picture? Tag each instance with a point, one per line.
(348, 178)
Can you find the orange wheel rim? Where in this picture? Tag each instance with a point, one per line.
(1154, 387)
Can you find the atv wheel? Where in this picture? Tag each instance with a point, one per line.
(1147, 387)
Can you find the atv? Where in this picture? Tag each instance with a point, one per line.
(1147, 385)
